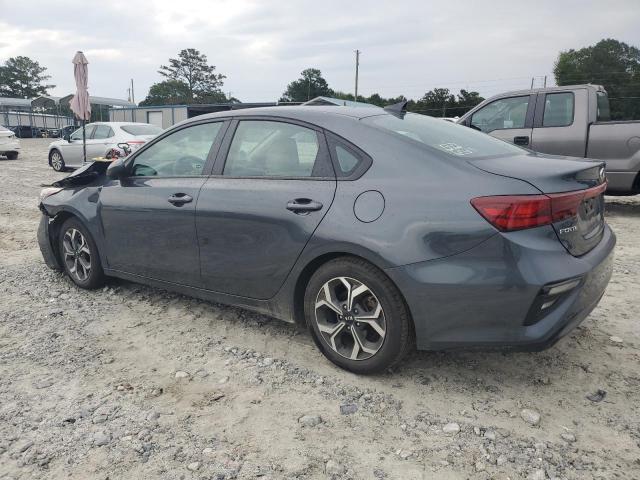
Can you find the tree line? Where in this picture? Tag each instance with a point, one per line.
(190, 79)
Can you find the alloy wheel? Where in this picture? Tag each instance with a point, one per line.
(56, 161)
(350, 318)
(77, 256)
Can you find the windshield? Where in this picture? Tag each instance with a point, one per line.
(142, 129)
(446, 137)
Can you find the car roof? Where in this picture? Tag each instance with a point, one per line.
(118, 124)
(299, 112)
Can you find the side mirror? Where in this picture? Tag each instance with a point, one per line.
(117, 169)
(67, 137)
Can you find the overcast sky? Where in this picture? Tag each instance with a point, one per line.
(408, 47)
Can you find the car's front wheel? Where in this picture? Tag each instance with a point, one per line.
(12, 155)
(357, 316)
(79, 255)
(56, 161)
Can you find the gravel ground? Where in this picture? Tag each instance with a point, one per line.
(135, 382)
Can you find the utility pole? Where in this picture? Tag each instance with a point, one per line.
(545, 81)
(532, 82)
(133, 97)
(357, 65)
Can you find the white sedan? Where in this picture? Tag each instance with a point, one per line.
(101, 137)
(9, 144)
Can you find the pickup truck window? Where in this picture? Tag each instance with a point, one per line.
(502, 114)
(604, 113)
(558, 110)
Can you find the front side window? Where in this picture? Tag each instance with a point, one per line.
(263, 148)
(558, 110)
(502, 114)
(102, 131)
(184, 153)
(77, 135)
(444, 137)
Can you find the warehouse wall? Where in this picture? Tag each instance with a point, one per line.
(170, 115)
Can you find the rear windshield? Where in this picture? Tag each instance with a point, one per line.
(443, 136)
(142, 129)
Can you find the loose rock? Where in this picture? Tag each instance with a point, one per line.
(530, 416)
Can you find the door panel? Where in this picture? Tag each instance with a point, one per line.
(518, 136)
(72, 152)
(509, 119)
(148, 219)
(248, 239)
(561, 123)
(147, 235)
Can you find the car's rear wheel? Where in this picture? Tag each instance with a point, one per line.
(357, 316)
(79, 255)
(12, 155)
(56, 161)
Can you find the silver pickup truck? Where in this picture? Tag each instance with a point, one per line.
(571, 120)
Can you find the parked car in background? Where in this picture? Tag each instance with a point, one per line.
(572, 121)
(9, 144)
(101, 137)
(24, 131)
(372, 227)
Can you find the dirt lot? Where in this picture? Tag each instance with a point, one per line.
(134, 382)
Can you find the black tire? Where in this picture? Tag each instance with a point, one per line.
(398, 334)
(75, 266)
(56, 160)
(12, 155)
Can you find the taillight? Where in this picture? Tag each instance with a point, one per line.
(517, 212)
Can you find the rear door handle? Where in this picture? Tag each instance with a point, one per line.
(303, 206)
(179, 199)
(524, 140)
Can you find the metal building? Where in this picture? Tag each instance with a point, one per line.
(165, 116)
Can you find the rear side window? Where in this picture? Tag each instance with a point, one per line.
(558, 110)
(502, 114)
(141, 129)
(262, 148)
(604, 112)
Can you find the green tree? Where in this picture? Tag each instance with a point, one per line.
(168, 92)
(610, 63)
(311, 84)
(436, 102)
(24, 78)
(466, 101)
(192, 69)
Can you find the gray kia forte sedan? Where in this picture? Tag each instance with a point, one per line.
(379, 230)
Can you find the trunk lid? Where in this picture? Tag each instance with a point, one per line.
(576, 189)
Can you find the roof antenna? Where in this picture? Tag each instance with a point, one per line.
(397, 109)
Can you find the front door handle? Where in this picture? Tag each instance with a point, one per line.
(179, 199)
(303, 206)
(524, 140)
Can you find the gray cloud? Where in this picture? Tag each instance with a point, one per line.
(408, 47)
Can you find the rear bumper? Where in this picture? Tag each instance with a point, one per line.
(484, 297)
(44, 241)
(10, 147)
